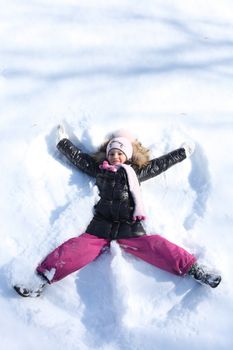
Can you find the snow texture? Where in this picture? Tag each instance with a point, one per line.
(162, 70)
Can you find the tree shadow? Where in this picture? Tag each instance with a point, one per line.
(170, 58)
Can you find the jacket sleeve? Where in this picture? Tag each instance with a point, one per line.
(158, 165)
(82, 161)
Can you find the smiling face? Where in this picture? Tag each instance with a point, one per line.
(116, 156)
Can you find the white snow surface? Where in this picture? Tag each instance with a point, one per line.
(164, 71)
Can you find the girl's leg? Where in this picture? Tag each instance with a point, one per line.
(71, 256)
(159, 252)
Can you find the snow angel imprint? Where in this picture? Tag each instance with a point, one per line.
(119, 166)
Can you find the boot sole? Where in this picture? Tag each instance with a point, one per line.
(26, 294)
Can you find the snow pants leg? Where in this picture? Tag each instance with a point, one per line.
(71, 256)
(159, 252)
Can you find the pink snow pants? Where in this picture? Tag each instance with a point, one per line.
(77, 252)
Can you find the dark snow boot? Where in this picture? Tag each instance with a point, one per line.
(29, 292)
(32, 292)
(203, 275)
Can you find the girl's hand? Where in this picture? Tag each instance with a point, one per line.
(189, 148)
(61, 134)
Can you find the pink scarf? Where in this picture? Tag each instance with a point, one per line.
(134, 187)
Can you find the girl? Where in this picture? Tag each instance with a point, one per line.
(119, 166)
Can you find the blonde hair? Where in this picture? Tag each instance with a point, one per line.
(140, 157)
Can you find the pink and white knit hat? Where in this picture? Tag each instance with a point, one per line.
(121, 143)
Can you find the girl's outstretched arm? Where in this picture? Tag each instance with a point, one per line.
(158, 165)
(82, 161)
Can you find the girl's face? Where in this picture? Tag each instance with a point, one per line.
(116, 156)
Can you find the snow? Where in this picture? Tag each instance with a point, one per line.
(163, 70)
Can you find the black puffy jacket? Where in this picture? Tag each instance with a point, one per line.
(113, 212)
